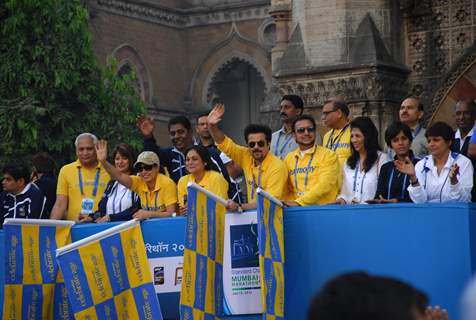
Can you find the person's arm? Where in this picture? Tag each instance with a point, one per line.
(472, 147)
(346, 194)
(214, 118)
(416, 190)
(122, 178)
(328, 172)
(460, 180)
(59, 209)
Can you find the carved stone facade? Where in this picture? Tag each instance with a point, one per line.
(371, 52)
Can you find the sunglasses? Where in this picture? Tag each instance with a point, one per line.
(146, 167)
(260, 144)
(310, 129)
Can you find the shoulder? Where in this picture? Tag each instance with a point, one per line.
(291, 156)
(184, 180)
(325, 152)
(216, 176)
(69, 167)
(460, 158)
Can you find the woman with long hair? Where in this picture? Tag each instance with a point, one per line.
(202, 172)
(442, 176)
(362, 168)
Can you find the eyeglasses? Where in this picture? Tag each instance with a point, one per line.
(260, 144)
(146, 167)
(326, 113)
(310, 129)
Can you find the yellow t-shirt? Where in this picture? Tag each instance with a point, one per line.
(271, 175)
(339, 142)
(69, 186)
(211, 181)
(163, 195)
(321, 167)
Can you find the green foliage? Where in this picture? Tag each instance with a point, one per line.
(51, 86)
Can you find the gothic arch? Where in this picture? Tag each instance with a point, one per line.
(460, 82)
(125, 54)
(235, 46)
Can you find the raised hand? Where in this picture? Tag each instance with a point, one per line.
(215, 116)
(406, 166)
(146, 126)
(101, 150)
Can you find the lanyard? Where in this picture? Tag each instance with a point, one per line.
(284, 145)
(417, 131)
(307, 171)
(147, 201)
(96, 182)
(390, 185)
(357, 169)
(333, 145)
(253, 184)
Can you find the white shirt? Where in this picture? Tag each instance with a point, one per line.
(359, 186)
(437, 188)
(462, 140)
(119, 200)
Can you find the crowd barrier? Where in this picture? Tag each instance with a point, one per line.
(431, 246)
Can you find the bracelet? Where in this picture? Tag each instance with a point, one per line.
(240, 209)
(174, 214)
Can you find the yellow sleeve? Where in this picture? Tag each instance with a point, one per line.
(182, 189)
(136, 181)
(328, 173)
(278, 179)
(326, 138)
(62, 186)
(170, 191)
(236, 152)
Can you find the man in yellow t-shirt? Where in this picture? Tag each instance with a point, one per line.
(313, 170)
(335, 115)
(261, 168)
(81, 184)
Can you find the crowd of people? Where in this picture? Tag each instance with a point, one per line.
(293, 164)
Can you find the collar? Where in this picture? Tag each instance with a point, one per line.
(311, 150)
(458, 133)
(157, 187)
(205, 179)
(265, 162)
(27, 187)
(283, 131)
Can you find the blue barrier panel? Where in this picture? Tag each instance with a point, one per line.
(431, 246)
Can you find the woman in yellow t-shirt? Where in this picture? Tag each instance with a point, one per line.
(202, 172)
(157, 192)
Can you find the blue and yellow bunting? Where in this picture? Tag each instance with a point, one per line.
(34, 287)
(107, 275)
(202, 285)
(271, 256)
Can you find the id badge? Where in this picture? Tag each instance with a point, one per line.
(87, 206)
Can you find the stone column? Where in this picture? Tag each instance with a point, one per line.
(282, 14)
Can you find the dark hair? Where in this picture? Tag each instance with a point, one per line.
(43, 163)
(420, 105)
(258, 128)
(303, 117)
(183, 120)
(295, 99)
(201, 114)
(440, 129)
(471, 105)
(204, 155)
(125, 150)
(18, 171)
(394, 129)
(360, 296)
(339, 105)
(372, 147)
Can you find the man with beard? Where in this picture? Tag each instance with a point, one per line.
(181, 136)
(282, 141)
(313, 170)
(261, 168)
(411, 113)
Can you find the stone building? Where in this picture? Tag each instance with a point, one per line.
(188, 54)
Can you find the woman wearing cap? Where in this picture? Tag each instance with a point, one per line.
(203, 173)
(157, 192)
(442, 176)
(119, 203)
